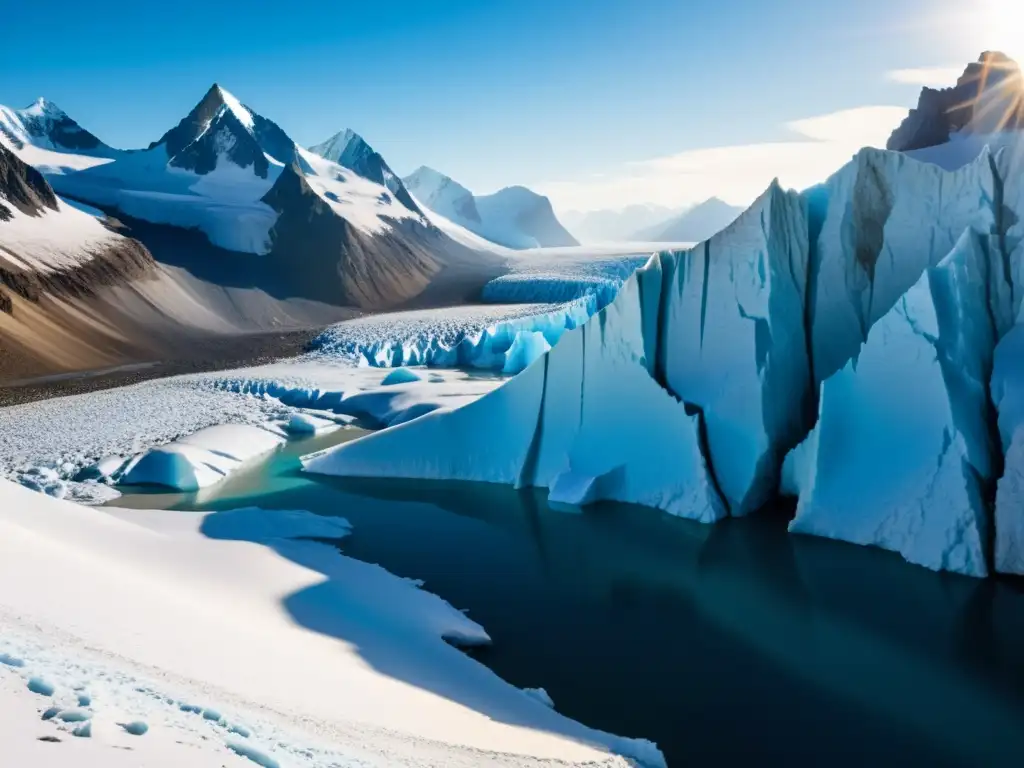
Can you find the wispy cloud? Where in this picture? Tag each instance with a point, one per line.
(737, 173)
(934, 77)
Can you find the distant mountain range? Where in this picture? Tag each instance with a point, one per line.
(617, 226)
(654, 224)
(514, 217)
(692, 225)
(238, 178)
(223, 225)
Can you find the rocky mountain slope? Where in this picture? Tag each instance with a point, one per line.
(233, 229)
(215, 172)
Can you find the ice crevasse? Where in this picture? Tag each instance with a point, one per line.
(869, 309)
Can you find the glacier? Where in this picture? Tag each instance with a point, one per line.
(858, 320)
(902, 451)
(451, 339)
(587, 413)
(732, 343)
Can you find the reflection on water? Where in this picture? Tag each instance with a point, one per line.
(721, 643)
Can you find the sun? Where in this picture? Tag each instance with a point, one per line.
(1003, 27)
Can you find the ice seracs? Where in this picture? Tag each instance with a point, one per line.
(879, 222)
(903, 450)
(732, 343)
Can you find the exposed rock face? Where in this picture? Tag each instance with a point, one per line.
(225, 137)
(221, 126)
(349, 150)
(340, 264)
(22, 187)
(988, 97)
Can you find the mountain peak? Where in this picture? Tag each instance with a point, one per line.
(987, 98)
(215, 101)
(349, 150)
(43, 107)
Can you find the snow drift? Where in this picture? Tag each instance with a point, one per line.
(327, 660)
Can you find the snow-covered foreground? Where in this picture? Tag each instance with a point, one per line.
(212, 639)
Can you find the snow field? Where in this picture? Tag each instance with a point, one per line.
(222, 640)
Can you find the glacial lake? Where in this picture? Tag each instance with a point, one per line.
(729, 644)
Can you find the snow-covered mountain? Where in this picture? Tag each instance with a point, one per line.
(349, 150)
(50, 247)
(988, 98)
(216, 171)
(514, 217)
(616, 226)
(692, 225)
(47, 126)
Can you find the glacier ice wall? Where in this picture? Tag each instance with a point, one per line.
(864, 313)
(903, 448)
(586, 415)
(885, 219)
(732, 343)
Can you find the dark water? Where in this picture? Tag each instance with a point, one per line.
(727, 643)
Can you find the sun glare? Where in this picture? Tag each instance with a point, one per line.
(1004, 27)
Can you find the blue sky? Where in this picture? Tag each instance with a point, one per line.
(554, 94)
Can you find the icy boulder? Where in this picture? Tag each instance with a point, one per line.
(904, 443)
(881, 221)
(401, 375)
(732, 343)
(587, 420)
(201, 459)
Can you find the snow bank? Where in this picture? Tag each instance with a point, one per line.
(201, 459)
(903, 446)
(589, 408)
(240, 629)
